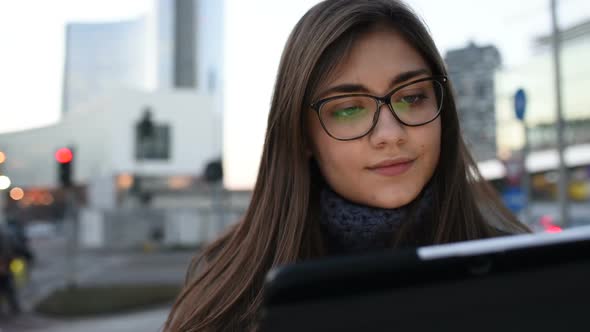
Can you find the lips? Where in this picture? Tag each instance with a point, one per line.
(392, 167)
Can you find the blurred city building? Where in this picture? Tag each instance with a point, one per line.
(102, 58)
(180, 46)
(190, 44)
(167, 64)
(472, 72)
(536, 77)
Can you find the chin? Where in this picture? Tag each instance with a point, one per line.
(393, 200)
(392, 204)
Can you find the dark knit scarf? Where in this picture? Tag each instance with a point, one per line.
(349, 228)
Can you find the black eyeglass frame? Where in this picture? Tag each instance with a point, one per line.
(385, 100)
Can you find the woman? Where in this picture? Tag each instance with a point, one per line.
(362, 152)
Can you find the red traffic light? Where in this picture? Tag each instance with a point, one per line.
(64, 155)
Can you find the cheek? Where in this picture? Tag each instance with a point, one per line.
(430, 145)
(337, 160)
(334, 157)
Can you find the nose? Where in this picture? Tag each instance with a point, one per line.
(388, 129)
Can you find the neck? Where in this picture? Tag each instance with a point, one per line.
(349, 228)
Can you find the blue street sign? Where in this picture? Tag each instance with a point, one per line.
(520, 104)
(514, 198)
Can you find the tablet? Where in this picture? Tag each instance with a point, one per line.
(531, 282)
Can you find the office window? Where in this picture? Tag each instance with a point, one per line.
(155, 146)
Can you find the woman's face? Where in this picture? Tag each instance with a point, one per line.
(388, 167)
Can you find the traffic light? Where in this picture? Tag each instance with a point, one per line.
(64, 158)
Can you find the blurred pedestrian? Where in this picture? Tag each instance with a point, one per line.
(7, 254)
(23, 249)
(363, 152)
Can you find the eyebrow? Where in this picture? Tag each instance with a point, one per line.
(350, 88)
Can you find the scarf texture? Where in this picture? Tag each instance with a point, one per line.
(349, 228)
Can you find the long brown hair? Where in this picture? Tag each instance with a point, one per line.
(224, 283)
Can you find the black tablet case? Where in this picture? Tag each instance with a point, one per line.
(545, 288)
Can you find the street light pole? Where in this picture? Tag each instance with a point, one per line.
(563, 178)
(526, 176)
(71, 215)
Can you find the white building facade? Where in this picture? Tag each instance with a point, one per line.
(104, 143)
(105, 98)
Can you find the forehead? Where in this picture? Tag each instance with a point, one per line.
(374, 58)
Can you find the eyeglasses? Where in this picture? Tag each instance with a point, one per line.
(351, 116)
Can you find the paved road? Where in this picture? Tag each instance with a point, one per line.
(50, 271)
(145, 321)
(95, 268)
(52, 264)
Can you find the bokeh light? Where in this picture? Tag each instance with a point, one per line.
(4, 182)
(46, 199)
(179, 182)
(17, 193)
(125, 181)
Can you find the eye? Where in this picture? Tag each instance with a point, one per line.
(412, 99)
(348, 112)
